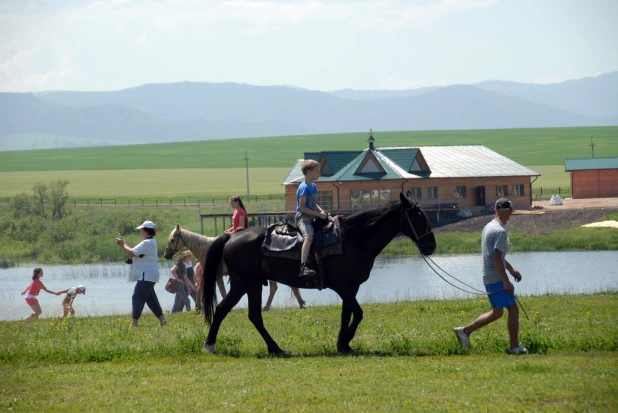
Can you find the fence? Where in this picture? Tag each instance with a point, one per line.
(162, 202)
(545, 193)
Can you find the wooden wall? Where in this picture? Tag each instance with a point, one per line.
(601, 183)
(341, 191)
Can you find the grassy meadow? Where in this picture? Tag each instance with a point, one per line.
(208, 169)
(406, 358)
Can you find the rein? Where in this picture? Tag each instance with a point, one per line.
(476, 290)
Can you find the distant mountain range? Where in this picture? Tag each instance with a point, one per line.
(190, 111)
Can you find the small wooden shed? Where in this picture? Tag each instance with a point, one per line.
(470, 177)
(593, 177)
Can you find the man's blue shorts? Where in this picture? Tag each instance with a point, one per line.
(500, 299)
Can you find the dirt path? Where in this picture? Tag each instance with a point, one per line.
(574, 212)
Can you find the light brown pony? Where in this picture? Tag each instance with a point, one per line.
(198, 245)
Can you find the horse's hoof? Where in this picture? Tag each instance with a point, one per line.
(265, 308)
(344, 349)
(209, 349)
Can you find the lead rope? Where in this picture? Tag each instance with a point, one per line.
(476, 292)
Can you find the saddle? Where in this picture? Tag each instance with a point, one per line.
(284, 240)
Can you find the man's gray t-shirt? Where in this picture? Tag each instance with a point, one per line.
(494, 237)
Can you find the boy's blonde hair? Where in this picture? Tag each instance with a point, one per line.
(309, 165)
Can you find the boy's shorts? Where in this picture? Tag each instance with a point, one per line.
(304, 223)
(500, 299)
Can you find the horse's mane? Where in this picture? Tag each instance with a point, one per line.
(359, 222)
(201, 241)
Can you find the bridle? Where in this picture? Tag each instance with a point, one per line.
(428, 229)
(176, 249)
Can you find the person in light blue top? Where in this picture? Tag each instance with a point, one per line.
(307, 209)
(494, 241)
(145, 270)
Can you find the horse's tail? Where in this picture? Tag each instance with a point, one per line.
(212, 269)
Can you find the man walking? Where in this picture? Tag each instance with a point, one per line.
(497, 284)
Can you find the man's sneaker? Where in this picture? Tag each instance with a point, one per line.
(464, 339)
(520, 349)
(306, 272)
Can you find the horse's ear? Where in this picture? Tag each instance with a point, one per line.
(404, 199)
(410, 197)
(177, 227)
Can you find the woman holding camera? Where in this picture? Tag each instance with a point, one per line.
(144, 270)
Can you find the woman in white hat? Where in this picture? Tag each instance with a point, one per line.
(145, 270)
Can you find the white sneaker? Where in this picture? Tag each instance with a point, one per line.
(520, 349)
(464, 339)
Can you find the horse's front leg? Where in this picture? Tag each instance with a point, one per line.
(223, 309)
(255, 315)
(347, 331)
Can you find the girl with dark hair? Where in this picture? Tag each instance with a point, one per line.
(32, 291)
(239, 219)
(144, 270)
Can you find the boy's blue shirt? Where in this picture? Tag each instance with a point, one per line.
(310, 192)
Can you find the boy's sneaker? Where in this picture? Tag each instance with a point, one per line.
(520, 349)
(464, 339)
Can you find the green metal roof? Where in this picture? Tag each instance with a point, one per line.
(583, 164)
(395, 163)
(403, 157)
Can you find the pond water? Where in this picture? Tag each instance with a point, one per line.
(400, 279)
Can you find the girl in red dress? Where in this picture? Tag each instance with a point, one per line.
(32, 292)
(239, 219)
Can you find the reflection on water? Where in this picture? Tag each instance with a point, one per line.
(392, 279)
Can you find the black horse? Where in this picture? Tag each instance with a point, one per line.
(364, 234)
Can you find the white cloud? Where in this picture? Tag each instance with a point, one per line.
(142, 40)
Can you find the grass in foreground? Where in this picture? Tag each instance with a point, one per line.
(98, 364)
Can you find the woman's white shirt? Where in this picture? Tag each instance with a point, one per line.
(147, 267)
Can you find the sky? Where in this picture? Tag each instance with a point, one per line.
(320, 45)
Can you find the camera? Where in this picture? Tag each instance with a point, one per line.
(129, 261)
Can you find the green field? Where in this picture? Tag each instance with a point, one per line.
(406, 359)
(207, 169)
(548, 146)
(149, 183)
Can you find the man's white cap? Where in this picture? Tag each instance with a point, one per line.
(147, 224)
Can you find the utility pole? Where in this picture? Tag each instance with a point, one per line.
(592, 145)
(246, 158)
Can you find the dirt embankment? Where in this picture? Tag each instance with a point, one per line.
(572, 214)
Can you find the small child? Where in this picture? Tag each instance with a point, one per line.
(67, 301)
(306, 210)
(32, 292)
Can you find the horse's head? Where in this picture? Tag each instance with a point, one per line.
(416, 225)
(174, 243)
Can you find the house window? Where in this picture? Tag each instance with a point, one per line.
(459, 192)
(518, 190)
(416, 193)
(431, 192)
(502, 190)
(325, 200)
(363, 199)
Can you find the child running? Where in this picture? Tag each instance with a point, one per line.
(32, 292)
(67, 301)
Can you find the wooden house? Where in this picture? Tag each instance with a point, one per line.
(593, 177)
(469, 177)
